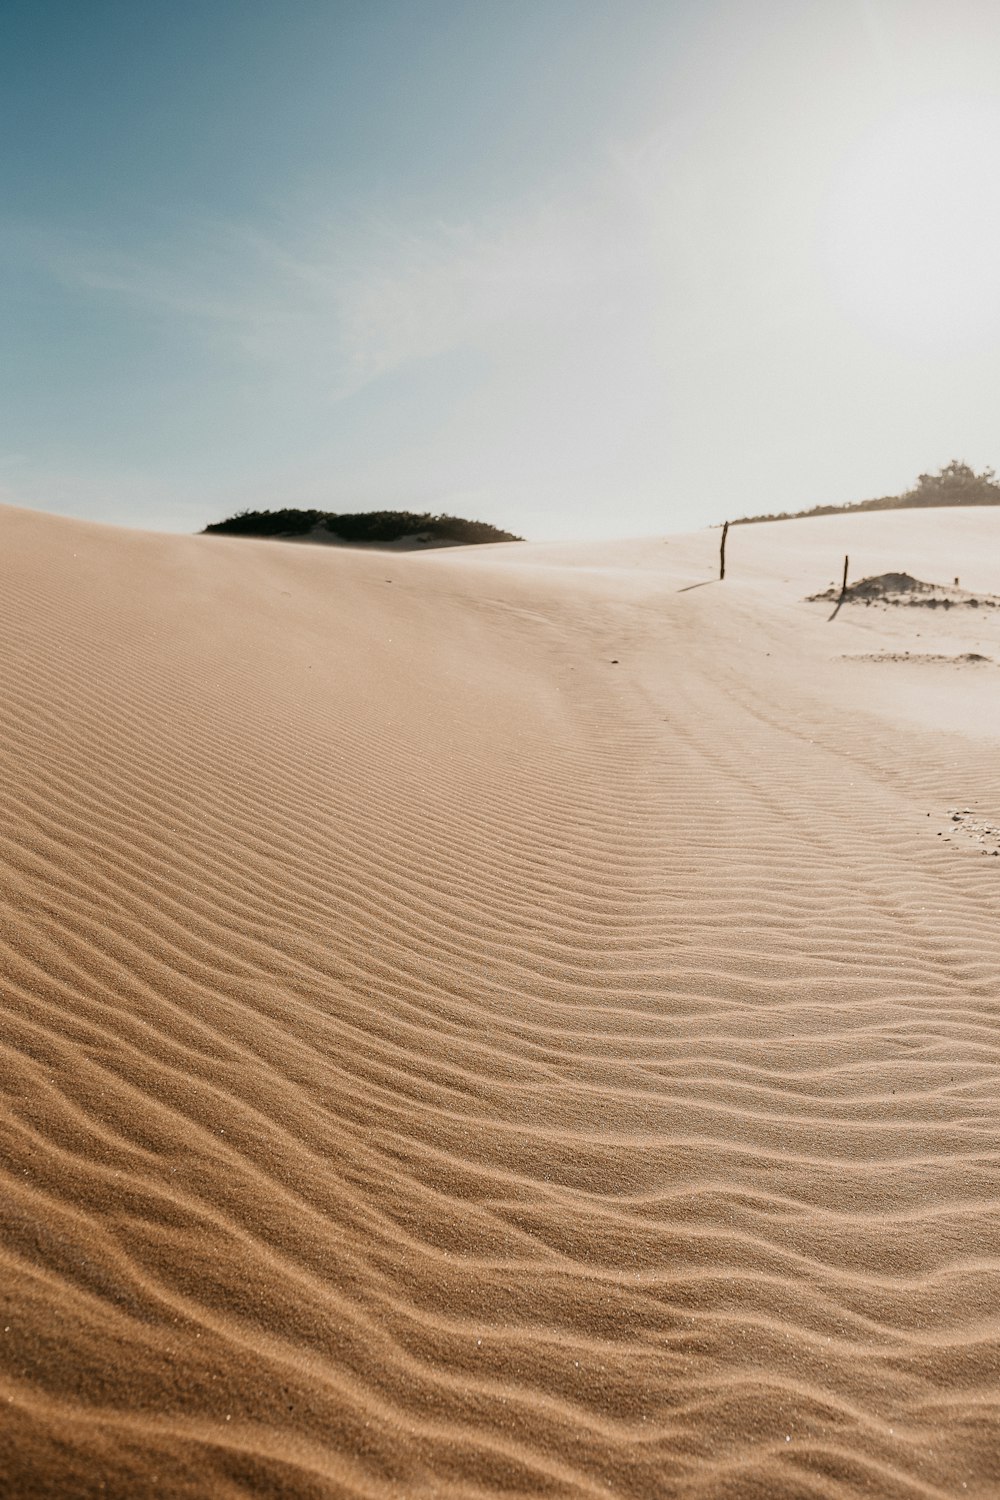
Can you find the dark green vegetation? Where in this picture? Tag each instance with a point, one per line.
(955, 484)
(375, 526)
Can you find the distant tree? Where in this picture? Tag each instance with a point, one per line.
(955, 484)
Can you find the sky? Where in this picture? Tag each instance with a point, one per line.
(580, 268)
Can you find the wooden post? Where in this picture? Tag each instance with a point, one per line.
(843, 586)
(722, 552)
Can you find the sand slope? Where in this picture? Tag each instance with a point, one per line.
(529, 1027)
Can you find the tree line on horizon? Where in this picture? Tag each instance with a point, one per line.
(361, 526)
(955, 484)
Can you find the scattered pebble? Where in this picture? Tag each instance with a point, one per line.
(987, 835)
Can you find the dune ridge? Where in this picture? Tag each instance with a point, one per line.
(479, 1023)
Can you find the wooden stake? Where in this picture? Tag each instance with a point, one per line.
(843, 586)
(722, 552)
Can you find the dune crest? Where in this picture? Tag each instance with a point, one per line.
(497, 1021)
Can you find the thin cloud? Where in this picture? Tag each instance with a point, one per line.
(344, 310)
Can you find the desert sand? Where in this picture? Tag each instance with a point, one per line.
(506, 1021)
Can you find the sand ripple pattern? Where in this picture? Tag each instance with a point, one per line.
(438, 1061)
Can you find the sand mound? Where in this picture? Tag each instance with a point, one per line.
(439, 1063)
(901, 588)
(887, 585)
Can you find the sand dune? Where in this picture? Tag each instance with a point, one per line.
(501, 1021)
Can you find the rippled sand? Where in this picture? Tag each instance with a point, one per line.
(527, 1027)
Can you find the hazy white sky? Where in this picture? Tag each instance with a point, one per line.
(575, 268)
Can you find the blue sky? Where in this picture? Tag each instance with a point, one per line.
(577, 268)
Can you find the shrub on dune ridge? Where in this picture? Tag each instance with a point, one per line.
(376, 526)
(388, 525)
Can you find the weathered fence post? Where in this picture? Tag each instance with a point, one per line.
(722, 552)
(843, 586)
